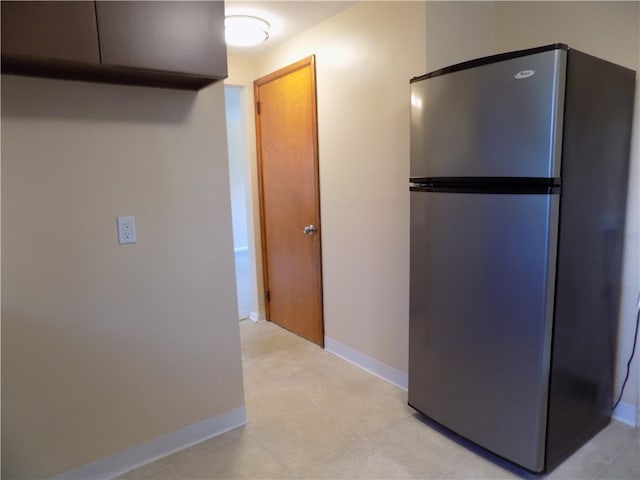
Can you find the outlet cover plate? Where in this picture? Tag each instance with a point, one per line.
(126, 230)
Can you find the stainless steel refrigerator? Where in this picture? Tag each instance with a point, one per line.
(519, 167)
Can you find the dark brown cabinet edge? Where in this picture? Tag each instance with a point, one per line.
(44, 68)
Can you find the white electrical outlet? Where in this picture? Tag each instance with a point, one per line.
(126, 230)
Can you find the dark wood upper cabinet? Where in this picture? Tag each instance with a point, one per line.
(184, 36)
(64, 31)
(174, 44)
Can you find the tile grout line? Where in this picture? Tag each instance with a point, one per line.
(322, 460)
(298, 385)
(465, 455)
(296, 473)
(174, 472)
(273, 454)
(350, 445)
(358, 438)
(615, 456)
(613, 459)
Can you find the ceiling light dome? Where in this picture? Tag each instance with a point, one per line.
(245, 30)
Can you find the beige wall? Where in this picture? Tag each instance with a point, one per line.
(458, 31)
(604, 29)
(364, 59)
(105, 347)
(610, 30)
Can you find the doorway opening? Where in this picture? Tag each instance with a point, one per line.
(237, 153)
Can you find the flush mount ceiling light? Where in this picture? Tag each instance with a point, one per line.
(245, 30)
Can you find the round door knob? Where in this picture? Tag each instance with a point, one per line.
(309, 230)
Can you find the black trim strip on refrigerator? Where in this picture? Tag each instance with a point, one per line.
(490, 59)
(504, 185)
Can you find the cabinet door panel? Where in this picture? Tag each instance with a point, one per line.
(181, 36)
(51, 30)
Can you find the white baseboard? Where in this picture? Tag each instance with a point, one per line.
(254, 317)
(371, 365)
(134, 457)
(240, 249)
(625, 413)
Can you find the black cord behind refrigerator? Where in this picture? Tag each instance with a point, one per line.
(633, 350)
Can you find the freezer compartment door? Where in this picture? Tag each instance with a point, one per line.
(501, 119)
(482, 283)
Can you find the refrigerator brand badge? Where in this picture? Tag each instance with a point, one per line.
(524, 74)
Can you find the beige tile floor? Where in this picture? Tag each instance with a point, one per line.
(313, 415)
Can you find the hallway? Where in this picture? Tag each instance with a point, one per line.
(313, 415)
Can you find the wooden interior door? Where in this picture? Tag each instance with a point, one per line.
(286, 135)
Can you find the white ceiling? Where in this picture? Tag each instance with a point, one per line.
(287, 18)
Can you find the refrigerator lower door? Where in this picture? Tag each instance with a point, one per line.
(481, 308)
